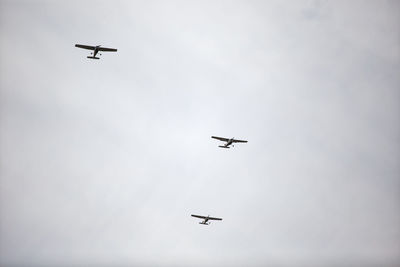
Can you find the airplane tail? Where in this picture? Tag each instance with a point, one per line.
(224, 146)
(93, 57)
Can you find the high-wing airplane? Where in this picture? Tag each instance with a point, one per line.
(96, 49)
(206, 219)
(228, 141)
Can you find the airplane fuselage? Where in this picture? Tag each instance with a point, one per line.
(228, 143)
(205, 221)
(94, 53)
(96, 50)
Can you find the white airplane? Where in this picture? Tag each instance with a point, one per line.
(206, 219)
(95, 49)
(228, 141)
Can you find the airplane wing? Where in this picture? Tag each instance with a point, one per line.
(212, 218)
(105, 49)
(199, 216)
(239, 141)
(220, 138)
(85, 46)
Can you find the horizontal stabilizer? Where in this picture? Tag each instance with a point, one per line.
(224, 146)
(93, 57)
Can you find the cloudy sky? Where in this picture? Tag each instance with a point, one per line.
(103, 161)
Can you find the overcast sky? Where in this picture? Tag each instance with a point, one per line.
(103, 161)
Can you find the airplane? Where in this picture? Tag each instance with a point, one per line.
(206, 219)
(228, 141)
(95, 49)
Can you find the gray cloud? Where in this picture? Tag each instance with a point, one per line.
(103, 162)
